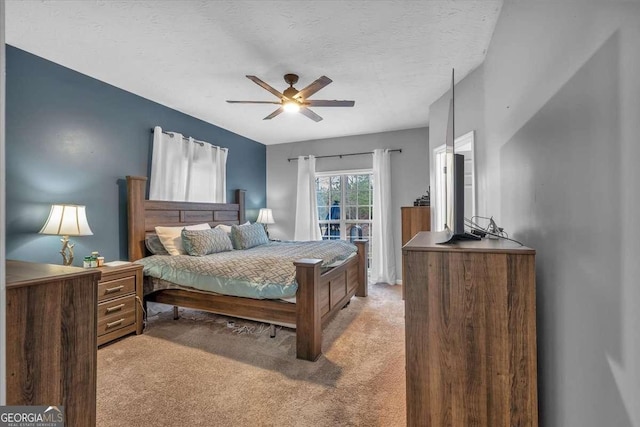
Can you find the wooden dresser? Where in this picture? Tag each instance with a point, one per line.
(414, 220)
(119, 302)
(470, 325)
(51, 338)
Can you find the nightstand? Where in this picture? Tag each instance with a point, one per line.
(119, 302)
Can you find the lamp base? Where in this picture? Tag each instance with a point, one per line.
(66, 251)
(266, 229)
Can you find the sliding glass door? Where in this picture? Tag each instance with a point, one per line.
(345, 205)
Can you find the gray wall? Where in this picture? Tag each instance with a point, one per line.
(409, 173)
(73, 139)
(561, 115)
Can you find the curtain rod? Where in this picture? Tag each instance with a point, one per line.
(171, 134)
(395, 150)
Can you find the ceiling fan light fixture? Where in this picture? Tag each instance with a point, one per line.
(291, 106)
(292, 100)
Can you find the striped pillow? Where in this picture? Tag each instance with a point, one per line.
(205, 242)
(248, 236)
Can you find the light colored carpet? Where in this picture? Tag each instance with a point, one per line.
(198, 371)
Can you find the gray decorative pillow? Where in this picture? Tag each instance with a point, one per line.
(205, 242)
(154, 245)
(248, 236)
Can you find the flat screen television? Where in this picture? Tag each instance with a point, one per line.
(454, 182)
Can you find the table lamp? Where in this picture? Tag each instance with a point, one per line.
(65, 221)
(265, 217)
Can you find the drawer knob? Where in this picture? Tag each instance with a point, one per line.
(115, 289)
(114, 308)
(116, 323)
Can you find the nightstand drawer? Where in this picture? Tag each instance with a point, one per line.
(119, 302)
(116, 307)
(116, 288)
(113, 323)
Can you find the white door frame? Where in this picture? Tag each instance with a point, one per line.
(437, 199)
(462, 143)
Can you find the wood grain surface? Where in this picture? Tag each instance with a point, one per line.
(51, 338)
(470, 336)
(414, 219)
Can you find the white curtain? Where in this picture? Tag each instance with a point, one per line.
(183, 169)
(306, 226)
(383, 265)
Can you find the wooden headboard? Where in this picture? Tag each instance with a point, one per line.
(144, 215)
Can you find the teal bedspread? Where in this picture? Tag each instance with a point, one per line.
(262, 272)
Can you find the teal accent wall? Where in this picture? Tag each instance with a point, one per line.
(73, 139)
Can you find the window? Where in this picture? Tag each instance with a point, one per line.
(345, 205)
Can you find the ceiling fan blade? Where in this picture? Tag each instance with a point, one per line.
(313, 116)
(265, 86)
(327, 103)
(275, 113)
(313, 88)
(253, 102)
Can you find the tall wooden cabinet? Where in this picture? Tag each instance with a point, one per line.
(470, 325)
(414, 220)
(51, 338)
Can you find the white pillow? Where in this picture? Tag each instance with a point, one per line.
(224, 227)
(171, 237)
(227, 228)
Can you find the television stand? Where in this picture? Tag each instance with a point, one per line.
(465, 236)
(452, 238)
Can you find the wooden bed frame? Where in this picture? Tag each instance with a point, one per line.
(319, 297)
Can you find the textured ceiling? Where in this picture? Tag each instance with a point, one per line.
(394, 58)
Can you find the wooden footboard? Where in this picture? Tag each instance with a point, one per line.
(320, 294)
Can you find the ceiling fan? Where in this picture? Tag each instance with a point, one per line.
(294, 100)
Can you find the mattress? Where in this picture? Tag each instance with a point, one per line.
(263, 272)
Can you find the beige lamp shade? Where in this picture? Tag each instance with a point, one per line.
(67, 220)
(265, 216)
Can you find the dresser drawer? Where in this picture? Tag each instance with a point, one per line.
(115, 288)
(115, 308)
(113, 323)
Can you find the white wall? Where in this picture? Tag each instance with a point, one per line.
(561, 114)
(2, 217)
(409, 173)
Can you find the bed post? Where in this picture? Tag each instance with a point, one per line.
(308, 319)
(136, 187)
(363, 260)
(240, 201)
